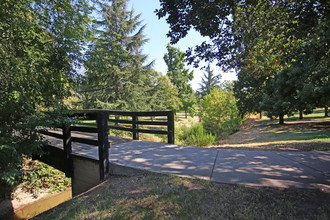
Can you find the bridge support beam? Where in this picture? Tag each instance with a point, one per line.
(85, 174)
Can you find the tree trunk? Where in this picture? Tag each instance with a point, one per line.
(186, 114)
(281, 119)
(326, 111)
(260, 115)
(301, 114)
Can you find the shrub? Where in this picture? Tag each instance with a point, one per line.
(219, 113)
(197, 136)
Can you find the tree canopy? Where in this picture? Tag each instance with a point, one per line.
(180, 78)
(260, 39)
(40, 52)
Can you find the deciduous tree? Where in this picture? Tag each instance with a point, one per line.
(180, 77)
(40, 52)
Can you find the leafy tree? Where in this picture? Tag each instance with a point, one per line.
(209, 82)
(163, 95)
(258, 38)
(219, 113)
(268, 31)
(180, 77)
(40, 51)
(211, 19)
(115, 75)
(248, 90)
(283, 93)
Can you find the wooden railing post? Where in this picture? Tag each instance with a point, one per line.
(103, 143)
(135, 126)
(170, 127)
(68, 150)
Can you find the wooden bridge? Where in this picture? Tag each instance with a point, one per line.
(91, 130)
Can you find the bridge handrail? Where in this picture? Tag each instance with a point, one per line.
(101, 128)
(169, 123)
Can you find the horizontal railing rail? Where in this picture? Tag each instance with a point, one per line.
(103, 123)
(133, 122)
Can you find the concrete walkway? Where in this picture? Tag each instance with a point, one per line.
(253, 168)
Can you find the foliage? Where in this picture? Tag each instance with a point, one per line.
(38, 176)
(210, 19)
(164, 95)
(40, 52)
(196, 135)
(248, 91)
(219, 113)
(260, 39)
(180, 77)
(209, 82)
(115, 75)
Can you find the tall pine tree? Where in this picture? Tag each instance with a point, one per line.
(209, 81)
(115, 75)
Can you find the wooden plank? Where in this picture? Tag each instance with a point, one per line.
(129, 113)
(88, 124)
(152, 131)
(52, 134)
(84, 129)
(68, 150)
(160, 123)
(160, 113)
(103, 145)
(120, 128)
(170, 128)
(135, 127)
(84, 141)
(120, 121)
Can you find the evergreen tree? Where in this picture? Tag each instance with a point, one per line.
(115, 75)
(209, 82)
(180, 77)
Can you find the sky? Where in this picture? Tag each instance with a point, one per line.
(156, 31)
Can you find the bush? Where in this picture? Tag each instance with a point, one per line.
(219, 113)
(197, 136)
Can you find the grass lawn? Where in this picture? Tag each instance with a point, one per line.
(156, 196)
(311, 133)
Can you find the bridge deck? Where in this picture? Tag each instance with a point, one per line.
(254, 168)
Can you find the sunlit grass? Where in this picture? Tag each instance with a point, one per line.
(300, 135)
(156, 196)
(317, 114)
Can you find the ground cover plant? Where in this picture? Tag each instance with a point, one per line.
(155, 196)
(39, 177)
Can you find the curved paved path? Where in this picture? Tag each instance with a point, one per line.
(253, 168)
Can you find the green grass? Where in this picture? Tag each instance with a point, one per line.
(283, 135)
(310, 134)
(155, 196)
(317, 114)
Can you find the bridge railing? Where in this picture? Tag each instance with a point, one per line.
(130, 123)
(105, 120)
